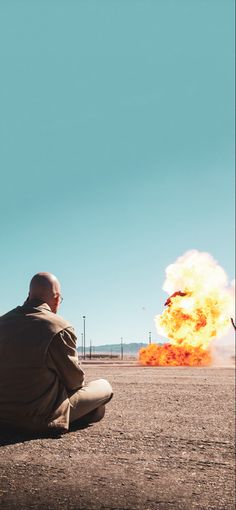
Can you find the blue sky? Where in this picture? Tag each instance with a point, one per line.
(117, 151)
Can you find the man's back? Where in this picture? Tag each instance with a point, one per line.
(30, 390)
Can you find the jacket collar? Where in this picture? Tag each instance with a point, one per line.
(36, 303)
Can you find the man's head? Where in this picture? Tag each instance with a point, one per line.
(46, 287)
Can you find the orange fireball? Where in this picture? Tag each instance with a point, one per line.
(197, 311)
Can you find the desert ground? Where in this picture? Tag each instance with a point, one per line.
(166, 442)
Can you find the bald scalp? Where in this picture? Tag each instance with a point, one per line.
(44, 286)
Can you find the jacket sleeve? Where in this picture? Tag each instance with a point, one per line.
(63, 358)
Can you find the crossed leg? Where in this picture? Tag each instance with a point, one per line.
(89, 402)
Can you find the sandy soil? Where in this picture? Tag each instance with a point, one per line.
(166, 442)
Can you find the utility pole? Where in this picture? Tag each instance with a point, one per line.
(82, 345)
(121, 348)
(150, 337)
(90, 349)
(84, 338)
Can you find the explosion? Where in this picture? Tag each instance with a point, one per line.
(198, 310)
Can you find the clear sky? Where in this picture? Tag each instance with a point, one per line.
(117, 151)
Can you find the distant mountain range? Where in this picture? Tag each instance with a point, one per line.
(131, 348)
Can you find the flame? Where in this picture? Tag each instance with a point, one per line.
(198, 310)
(174, 355)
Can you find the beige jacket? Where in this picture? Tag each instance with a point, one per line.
(39, 368)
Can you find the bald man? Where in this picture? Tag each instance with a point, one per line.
(42, 384)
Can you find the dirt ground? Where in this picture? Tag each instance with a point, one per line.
(166, 442)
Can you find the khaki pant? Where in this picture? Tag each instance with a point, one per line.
(92, 396)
